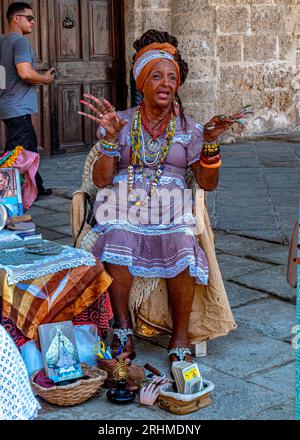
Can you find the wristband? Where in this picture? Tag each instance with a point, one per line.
(212, 166)
(108, 148)
(210, 159)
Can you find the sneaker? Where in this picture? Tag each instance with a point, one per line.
(44, 192)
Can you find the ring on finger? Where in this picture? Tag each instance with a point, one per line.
(100, 115)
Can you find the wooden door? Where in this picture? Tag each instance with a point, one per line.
(86, 49)
(84, 41)
(40, 43)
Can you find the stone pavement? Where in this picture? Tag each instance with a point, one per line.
(252, 212)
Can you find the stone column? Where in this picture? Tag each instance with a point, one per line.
(193, 23)
(141, 15)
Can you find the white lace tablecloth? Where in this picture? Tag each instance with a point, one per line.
(68, 258)
(17, 401)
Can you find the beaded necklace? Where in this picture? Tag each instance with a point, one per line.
(136, 155)
(9, 158)
(150, 149)
(154, 133)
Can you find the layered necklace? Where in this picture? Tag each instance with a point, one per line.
(151, 153)
(150, 149)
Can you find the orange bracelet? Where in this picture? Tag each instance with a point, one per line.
(212, 166)
(210, 160)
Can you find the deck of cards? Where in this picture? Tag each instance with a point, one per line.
(187, 377)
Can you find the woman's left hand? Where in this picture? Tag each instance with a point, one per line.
(220, 123)
(216, 126)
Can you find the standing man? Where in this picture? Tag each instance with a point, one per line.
(19, 100)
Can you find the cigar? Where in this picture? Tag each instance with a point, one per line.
(153, 370)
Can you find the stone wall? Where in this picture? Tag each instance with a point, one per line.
(238, 51)
(141, 15)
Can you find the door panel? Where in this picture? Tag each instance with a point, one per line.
(68, 39)
(100, 27)
(88, 56)
(71, 127)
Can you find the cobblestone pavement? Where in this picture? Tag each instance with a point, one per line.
(252, 212)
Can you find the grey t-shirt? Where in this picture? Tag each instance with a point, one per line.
(19, 98)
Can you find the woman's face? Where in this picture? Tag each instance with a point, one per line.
(3, 182)
(161, 85)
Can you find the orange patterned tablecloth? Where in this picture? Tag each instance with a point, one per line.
(51, 298)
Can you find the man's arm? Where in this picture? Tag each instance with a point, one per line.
(27, 73)
(23, 58)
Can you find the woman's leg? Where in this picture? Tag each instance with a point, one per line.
(119, 291)
(181, 291)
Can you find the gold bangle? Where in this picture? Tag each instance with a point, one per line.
(213, 145)
(212, 166)
(210, 150)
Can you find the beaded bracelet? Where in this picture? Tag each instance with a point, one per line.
(108, 148)
(210, 149)
(211, 166)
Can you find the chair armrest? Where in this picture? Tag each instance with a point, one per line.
(78, 212)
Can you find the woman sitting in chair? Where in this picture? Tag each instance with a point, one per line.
(149, 149)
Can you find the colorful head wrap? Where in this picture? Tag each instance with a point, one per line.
(150, 55)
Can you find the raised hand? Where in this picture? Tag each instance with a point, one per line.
(104, 114)
(215, 127)
(220, 123)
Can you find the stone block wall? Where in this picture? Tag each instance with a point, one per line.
(239, 52)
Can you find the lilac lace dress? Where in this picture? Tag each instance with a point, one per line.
(156, 239)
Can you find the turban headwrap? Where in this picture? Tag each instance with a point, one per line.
(150, 55)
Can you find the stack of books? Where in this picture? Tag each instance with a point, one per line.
(21, 225)
(187, 377)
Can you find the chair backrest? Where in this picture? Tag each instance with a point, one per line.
(191, 179)
(87, 184)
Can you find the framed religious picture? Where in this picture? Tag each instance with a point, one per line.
(59, 351)
(10, 191)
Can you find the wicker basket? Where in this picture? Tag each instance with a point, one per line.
(74, 393)
(181, 404)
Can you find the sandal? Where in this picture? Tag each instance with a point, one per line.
(122, 335)
(180, 353)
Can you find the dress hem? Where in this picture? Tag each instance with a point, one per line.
(159, 272)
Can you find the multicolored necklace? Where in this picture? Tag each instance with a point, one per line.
(150, 149)
(163, 124)
(9, 158)
(136, 156)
